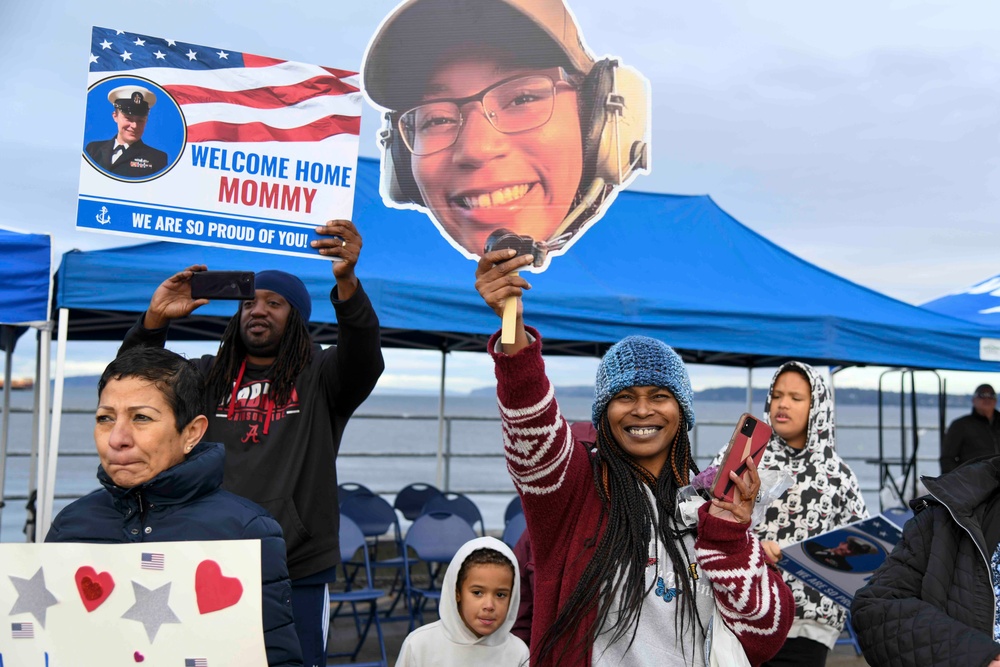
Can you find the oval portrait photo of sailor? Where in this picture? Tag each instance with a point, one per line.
(134, 131)
(847, 553)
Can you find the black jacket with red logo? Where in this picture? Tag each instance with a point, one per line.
(284, 457)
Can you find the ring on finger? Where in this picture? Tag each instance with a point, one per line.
(343, 243)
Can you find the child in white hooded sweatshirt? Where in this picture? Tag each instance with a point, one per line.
(475, 629)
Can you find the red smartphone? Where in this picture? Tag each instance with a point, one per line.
(749, 439)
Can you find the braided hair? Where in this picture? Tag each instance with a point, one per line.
(294, 354)
(617, 568)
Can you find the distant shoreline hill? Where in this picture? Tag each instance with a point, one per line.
(844, 396)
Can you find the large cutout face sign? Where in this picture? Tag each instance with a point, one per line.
(501, 125)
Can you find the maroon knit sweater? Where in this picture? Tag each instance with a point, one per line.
(553, 475)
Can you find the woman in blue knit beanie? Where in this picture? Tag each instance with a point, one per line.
(624, 574)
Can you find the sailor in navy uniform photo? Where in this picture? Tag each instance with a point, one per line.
(837, 556)
(125, 154)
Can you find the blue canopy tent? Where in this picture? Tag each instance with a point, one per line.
(979, 303)
(675, 267)
(25, 286)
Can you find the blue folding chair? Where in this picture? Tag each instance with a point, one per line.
(512, 531)
(434, 540)
(513, 507)
(348, 489)
(352, 540)
(411, 499)
(460, 504)
(376, 518)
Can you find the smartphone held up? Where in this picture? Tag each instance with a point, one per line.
(233, 285)
(749, 439)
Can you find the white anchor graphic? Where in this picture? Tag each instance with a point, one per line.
(103, 218)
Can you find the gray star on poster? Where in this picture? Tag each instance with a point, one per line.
(33, 596)
(151, 608)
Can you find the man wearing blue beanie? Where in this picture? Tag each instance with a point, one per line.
(279, 403)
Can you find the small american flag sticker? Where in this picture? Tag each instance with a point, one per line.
(152, 561)
(195, 662)
(22, 631)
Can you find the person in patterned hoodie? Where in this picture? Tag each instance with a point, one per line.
(824, 495)
(621, 577)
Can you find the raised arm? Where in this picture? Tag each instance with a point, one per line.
(754, 601)
(172, 299)
(549, 468)
(342, 243)
(496, 280)
(350, 370)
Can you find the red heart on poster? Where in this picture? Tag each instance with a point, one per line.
(214, 590)
(94, 588)
(138, 657)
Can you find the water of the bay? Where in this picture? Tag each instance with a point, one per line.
(386, 452)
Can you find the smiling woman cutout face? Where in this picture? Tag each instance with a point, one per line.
(523, 181)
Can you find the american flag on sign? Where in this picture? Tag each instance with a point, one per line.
(236, 97)
(151, 561)
(22, 631)
(195, 662)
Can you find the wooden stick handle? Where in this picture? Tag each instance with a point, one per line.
(509, 319)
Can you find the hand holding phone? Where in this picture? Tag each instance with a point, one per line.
(749, 439)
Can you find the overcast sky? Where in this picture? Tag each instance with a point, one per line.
(862, 136)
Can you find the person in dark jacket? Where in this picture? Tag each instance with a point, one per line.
(161, 485)
(933, 601)
(280, 404)
(976, 434)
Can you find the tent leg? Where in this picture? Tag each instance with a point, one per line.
(42, 414)
(439, 477)
(47, 493)
(750, 389)
(8, 335)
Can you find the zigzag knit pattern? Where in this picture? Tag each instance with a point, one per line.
(752, 600)
(539, 446)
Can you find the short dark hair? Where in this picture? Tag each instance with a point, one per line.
(484, 556)
(180, 382)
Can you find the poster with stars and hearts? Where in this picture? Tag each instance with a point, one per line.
(169, 604)
(210, 146)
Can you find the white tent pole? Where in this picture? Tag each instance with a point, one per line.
(750, 389)
(36, 430)
(45, 343)
(439, 476)
(8, 334)
(57, 399)
(35, 419)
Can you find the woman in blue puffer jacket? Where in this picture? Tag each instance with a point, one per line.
(161, 485)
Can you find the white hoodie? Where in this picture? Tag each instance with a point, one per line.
(449, 642)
